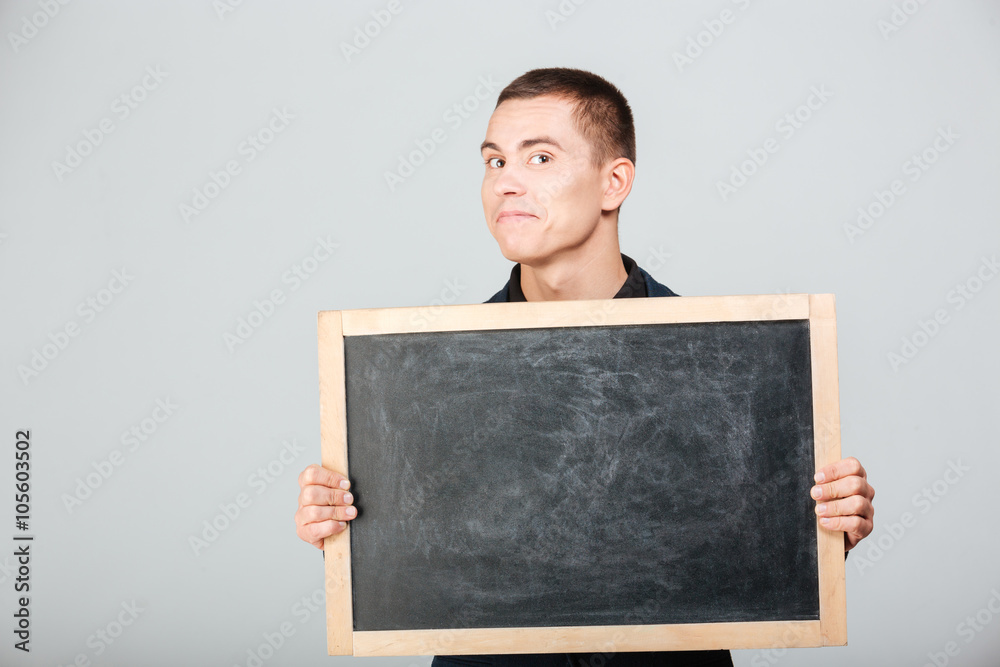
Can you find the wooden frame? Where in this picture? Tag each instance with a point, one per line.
(818, 309)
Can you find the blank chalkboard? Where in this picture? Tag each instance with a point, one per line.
(580, 470)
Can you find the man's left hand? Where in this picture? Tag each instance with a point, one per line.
(844, 500)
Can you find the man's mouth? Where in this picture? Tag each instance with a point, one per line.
(514, 215)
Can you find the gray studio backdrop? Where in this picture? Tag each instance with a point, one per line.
(185, 184)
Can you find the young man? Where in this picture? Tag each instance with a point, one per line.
(559, 161)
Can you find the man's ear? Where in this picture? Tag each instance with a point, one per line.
(618, 183)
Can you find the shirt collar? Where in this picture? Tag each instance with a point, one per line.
(633, 287)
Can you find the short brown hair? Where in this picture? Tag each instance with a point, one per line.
(602, 112)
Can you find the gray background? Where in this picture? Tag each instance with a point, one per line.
(910, 589)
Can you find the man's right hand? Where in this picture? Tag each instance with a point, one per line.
(324, 505)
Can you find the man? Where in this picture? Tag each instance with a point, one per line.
(559, 161)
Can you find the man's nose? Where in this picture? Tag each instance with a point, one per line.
(509, 182)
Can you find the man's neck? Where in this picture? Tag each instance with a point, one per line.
(597, 274)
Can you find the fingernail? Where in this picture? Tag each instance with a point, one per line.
(821, 509)
(344, 484)
(351, 511)
(819, 477)
(348, 498)
(342, 524)
(824, 521)
(816, 492)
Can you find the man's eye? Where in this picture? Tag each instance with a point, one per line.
(495, 162)
(539, 159)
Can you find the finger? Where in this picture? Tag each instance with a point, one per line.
(856, 527)
(842, 468)
(850, 506)
(316, 513)
(324, 495)
(851, 540)
(315, 474)
(843, 488)
(315, 533)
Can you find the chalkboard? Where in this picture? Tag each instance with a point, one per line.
(583, 472)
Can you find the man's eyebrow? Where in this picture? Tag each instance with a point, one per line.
(527, 143)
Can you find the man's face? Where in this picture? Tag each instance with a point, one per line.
(542, 194)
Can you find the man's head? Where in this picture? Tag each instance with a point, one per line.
(601, 112)
(559, 150)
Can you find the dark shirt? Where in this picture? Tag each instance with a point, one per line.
(635, 286)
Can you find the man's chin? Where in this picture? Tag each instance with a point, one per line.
(510, 255)
(515, 252)
(512, 246)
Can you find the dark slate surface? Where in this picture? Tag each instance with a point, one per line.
(582, 476)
